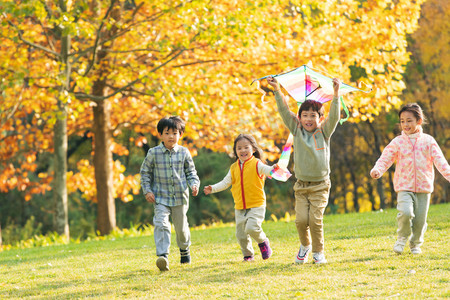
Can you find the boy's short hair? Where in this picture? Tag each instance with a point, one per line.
(314, 105)
(172, 122)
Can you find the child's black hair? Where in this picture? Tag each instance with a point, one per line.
(257, 151)
(415, 109)
(173, 122)
(314, 105)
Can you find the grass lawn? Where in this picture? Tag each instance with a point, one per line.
(358, 249)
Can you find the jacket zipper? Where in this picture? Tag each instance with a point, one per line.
(414, 158)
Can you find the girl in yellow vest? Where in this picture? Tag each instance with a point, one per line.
(246, 177)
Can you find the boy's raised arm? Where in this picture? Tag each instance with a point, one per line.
(289, 118)
(329, 125)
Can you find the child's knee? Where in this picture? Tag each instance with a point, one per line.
(252, 229)
(405, 214)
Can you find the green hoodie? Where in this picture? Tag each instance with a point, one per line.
(311, 150)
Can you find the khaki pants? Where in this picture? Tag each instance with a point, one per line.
(248, 224)
(412, 216)
(311, 199)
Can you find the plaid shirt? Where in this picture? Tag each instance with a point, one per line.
(168, 173)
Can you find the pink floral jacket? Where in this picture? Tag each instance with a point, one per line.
(414, 171)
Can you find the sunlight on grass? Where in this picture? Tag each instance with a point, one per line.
(358, 248)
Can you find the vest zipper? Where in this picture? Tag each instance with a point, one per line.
(242, 185)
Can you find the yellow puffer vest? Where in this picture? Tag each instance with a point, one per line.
(247, 186)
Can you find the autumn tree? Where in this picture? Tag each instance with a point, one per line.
(131, 62)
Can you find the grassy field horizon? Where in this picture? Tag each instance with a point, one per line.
(358, 247)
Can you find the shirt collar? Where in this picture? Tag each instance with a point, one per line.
(164, 149)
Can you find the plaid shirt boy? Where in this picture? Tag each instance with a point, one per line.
(168, 173)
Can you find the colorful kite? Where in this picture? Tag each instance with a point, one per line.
(303, 84)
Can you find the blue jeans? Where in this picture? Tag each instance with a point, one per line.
(162, 225)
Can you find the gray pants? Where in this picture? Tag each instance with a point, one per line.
(412, 216)
(163, 229)
(248, 224)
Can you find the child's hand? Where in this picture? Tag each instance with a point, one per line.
(150, 197)
(274, 83)
(194, 190)
(336, 85)
(375, 174)
(207, 190)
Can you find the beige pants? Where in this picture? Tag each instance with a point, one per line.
(248, 224)
(311, 199)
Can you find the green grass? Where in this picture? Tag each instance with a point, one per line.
(358, 248)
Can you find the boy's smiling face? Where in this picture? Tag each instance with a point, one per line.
(170, 137)
(310, 120)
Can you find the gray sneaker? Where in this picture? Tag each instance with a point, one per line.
(162, 263)
(415, 249)
(399, 245)
(319, 258)
(302, 255)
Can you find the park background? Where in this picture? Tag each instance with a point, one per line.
(83, 84)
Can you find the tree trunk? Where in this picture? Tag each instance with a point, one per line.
(354, 180)
(106, 210)
(61, 219)
(393, 193)
(370, 192)
(377, 152)
(380, 190)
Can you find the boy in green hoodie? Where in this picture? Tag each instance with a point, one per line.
(312, 134)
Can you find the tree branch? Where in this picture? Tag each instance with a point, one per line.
(37, 46)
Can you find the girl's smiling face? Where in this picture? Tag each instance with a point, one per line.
(244, 149)
(409, 123)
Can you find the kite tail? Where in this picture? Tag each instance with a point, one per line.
(261, 90)
(345, 109)
(281, 172)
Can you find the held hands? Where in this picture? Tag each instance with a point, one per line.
(375, 174)
(336, 85)
(150, 197)
(207, 190)
(274, 83)
(194, 190)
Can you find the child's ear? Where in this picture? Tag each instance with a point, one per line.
(420, 122)
(321, 119)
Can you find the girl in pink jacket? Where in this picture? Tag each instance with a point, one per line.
(415, 153)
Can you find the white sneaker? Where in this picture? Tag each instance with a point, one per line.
(415, 249)
(162, 263)
(319, 258)
(302, 255)
(399, 245)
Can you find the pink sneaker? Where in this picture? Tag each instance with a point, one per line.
(249, 258)
(266, 252)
